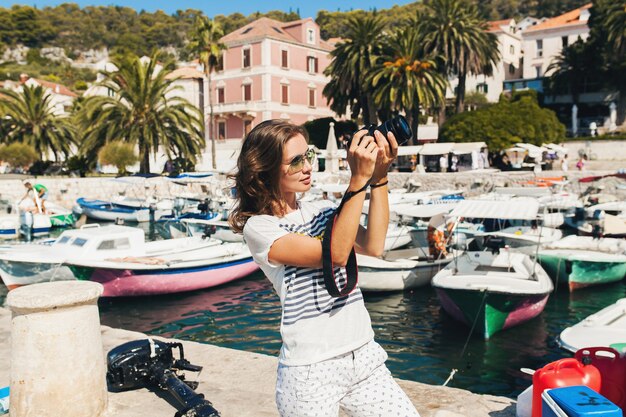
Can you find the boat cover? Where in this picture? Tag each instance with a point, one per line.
(517, 208)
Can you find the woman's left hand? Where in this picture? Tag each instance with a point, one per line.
(387, 153)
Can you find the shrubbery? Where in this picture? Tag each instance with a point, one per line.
(118, 154)
(501, 125)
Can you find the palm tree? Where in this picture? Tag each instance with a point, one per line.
(29, 117)
(572, 70)
(454, 30)
(144, 110)
(407, 81)
(205, 37)
(616, 24)
(351, 62)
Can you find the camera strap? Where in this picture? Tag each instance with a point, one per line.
(352, 273)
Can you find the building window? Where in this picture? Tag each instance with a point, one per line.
(538, 71)
(312, 64)
(221, 130)
(511, 69)
(311, 97)
(512, 50)
(220, 95)
(247, 127)
(220, 63)
(565, 41)
(247, 92)
(539, 47)
(284, 59)
(482, 88)
(246, 58)
(284, 96)
(310, 36)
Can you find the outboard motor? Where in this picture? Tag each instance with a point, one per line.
(27, 221)
(203, 206)
(179, 206)
(494, 243)
(151, 364)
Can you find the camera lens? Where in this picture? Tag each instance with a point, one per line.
(397, 125)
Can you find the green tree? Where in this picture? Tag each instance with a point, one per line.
(453, 30)
(30, 118)
(119, 154)
(205, 41)
(501, 125)
(406, 80)
(18, 154)
(144, 111)
(352, 60)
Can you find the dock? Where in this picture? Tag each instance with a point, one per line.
(241, 384)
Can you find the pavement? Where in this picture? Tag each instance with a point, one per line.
(241, 384)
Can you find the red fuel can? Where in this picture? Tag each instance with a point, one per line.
(612, 367)
(563, 373)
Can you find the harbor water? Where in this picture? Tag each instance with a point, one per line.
(423, 343)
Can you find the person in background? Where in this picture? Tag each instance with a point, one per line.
(580, 165)
(454, 165)
(564, 163)
(40, 195)
(443, 163)
(329, 359)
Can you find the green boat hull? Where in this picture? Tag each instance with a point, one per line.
(578, 274)
(62, 220)
(490, 312)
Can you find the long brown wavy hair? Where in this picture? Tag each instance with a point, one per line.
(258, 172)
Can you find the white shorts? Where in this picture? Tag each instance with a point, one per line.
(358, 382)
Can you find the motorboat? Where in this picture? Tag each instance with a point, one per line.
(398, 270)
(33, 263)
(582, 261)
(497, 289)
(605, 328)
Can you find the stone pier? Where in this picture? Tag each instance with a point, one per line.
(241, 384)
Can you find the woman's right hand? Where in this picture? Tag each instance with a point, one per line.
(362, 155)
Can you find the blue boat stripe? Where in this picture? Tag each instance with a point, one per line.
(192, 269)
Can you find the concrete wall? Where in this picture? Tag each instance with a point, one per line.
(607, 150)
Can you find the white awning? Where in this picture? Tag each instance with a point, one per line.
(517, 208)
(468, 147)
(534, 151)
(437, 148)
(422, 211)
(409, 150)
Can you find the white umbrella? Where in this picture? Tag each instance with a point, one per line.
(332, 157)
(613, 117)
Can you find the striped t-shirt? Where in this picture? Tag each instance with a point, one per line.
(314, 325)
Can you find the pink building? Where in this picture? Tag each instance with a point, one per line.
(271, 70)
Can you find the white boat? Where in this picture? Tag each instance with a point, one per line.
(32, 263)
(394, 273)
(126, 209)
(492, 291)
(519, 236)
(9, 226)
(604, 328)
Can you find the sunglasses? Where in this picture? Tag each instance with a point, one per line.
(297, 163)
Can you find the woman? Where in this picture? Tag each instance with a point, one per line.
(329, 358)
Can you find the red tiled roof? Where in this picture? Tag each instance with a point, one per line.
(185, 73)
(268, 28)
(56, 88)
(567, 19)
(496, 25)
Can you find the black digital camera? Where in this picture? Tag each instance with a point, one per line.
(397, 125)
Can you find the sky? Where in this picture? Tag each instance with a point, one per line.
(308, 8)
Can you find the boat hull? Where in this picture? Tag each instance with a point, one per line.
(581, 273)
(399, 279)
(17, 274)
(491, 311)
(137, 282)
